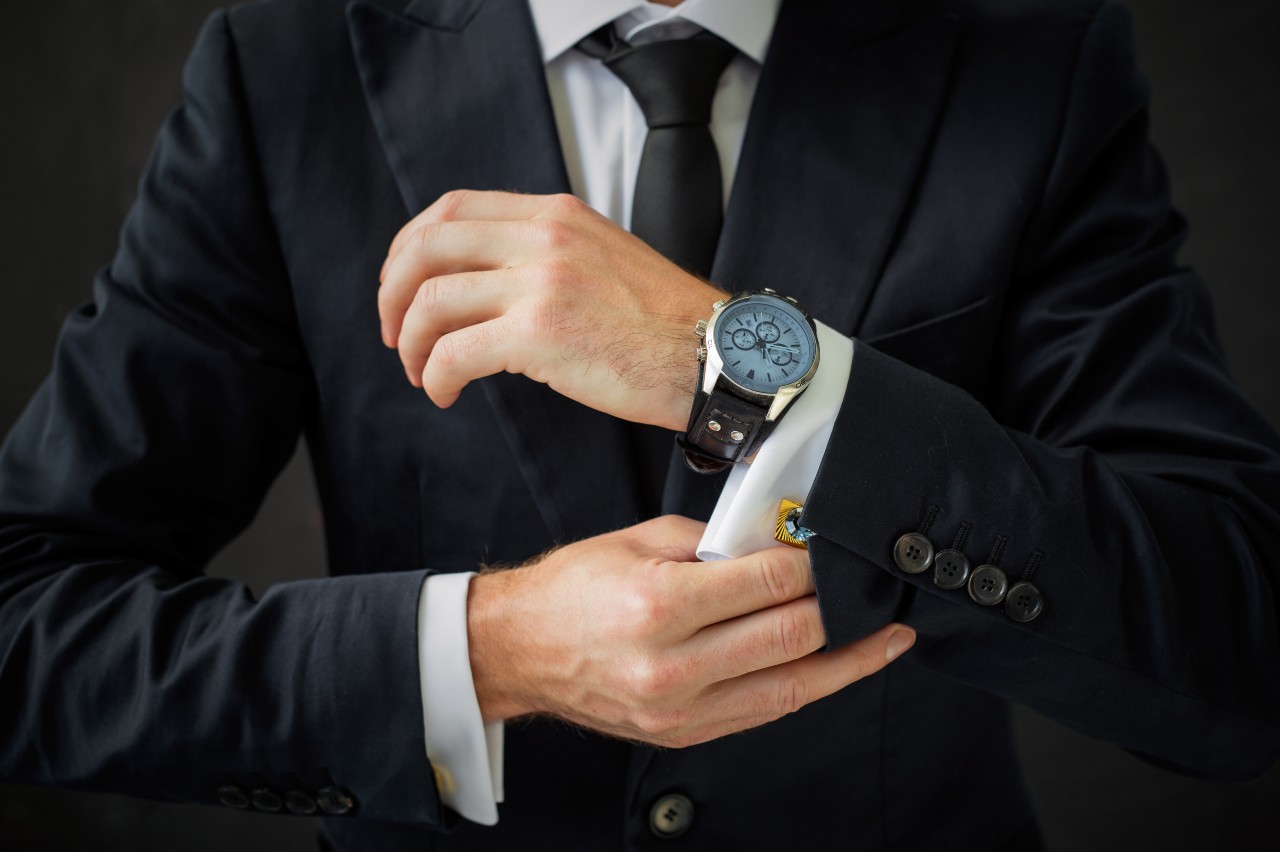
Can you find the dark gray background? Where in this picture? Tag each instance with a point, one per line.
(85, 86)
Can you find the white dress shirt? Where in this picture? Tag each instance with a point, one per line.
(602, 133)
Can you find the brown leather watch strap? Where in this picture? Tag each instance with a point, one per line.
(724, 428)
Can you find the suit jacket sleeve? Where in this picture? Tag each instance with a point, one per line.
(175, 399)
(1111, 442)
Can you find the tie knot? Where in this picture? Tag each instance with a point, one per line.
(674, 81)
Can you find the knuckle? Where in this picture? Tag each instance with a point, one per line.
(525, 323)
(646, 609)
(451, 203)
(449, 352)
(427, 298)
(540, 320)
(792, 695)
(793, 634)
(565, 204)
(443, 362)
(664, 725)
(778, 575)
(425, 239)
(653, 679)
(551, 274)
(553, 235)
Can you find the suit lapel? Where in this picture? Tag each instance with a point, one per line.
(457, 92)
(843, 115)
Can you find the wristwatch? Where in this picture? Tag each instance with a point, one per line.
(759, 353)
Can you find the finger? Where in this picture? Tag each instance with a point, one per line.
(467, 354)
(460, 205)
(760, 640)
(446, 304)
(725, 589)
(444, 249)
(768, 694)
(438, 250)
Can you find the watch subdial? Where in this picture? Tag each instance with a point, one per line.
(768, 332)
(744, 339)
(779, 356)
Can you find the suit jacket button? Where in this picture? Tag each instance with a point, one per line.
(334, 800)
(988, 585)
(266, 800)
(1023, 602)
(299, 802)
(233, 797)
(950, 568)
(671, 816)
(913, 553)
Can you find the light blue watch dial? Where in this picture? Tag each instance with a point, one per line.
(765, 343)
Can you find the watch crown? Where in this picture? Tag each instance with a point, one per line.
(717, 305)
(700, 328)
(702, 355)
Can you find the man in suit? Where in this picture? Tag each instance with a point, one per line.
(965, 188)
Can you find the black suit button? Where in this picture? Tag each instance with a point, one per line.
(299, 802)
(988, 584)
(233, 797)
(913, 553)
(950, 568)
(334, 800)
(671, 815)
(1023, 602)
(266, 800)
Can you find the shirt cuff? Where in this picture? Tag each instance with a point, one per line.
(786, 464)
(465, 752)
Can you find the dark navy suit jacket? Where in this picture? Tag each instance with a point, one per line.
(964, 185)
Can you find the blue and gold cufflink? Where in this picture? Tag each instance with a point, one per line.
(788, 529)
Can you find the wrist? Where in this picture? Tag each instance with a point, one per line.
(675, 414)
(494, 648)
(687, 339)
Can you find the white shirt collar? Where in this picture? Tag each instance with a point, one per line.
(745, 24)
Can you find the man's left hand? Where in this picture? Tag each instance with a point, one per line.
(482, 282)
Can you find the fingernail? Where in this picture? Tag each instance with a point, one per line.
(899, 642)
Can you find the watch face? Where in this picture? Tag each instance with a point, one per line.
(765, 343)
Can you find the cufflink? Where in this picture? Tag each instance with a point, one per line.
(788, 530)
(444, 780)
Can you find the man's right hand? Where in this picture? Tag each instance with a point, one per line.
(628, 635)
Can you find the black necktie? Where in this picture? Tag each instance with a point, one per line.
(679, 199)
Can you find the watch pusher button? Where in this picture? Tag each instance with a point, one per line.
(702, 354)
(770, 290)
(700, 328)
(717, 305)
